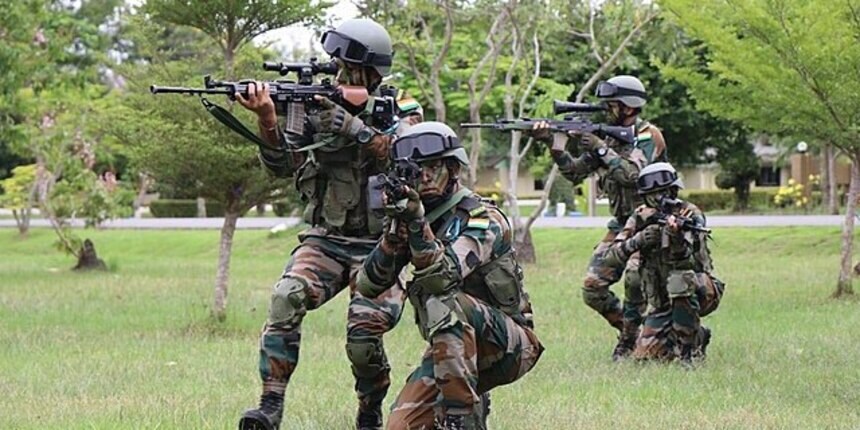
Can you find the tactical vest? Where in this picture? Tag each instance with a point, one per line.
(623, 199)
(499, 283)
(333, 183)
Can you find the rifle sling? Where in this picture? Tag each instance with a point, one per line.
(228, 119)
(448, 205)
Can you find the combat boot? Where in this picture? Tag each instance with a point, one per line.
(705, 339)
(370, 419)
(626, 342)
(267, 416)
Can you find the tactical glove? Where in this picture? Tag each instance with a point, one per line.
(647, 238)
(591, 143)
(333, 118)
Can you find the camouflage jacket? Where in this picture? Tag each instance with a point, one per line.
(468, 249)
(332, 178)
(618, 170)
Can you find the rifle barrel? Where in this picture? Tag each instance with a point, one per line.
(156, 89)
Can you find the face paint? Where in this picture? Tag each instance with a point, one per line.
(652, 200)
(434, 179)
(613, 113)
(350, 74)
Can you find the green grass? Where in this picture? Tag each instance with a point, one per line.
(134, 348)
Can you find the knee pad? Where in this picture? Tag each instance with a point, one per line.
(596, 298)
(367, 356)
(681, 283)
(288, 302)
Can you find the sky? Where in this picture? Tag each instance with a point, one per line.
(287, 38)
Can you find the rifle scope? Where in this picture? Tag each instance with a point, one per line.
(559, 107)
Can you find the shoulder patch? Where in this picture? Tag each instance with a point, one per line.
(406, 103)
(479, 223)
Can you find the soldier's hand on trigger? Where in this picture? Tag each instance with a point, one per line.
(333, 118)
(260, 102)
(414, 208)
(589, 142)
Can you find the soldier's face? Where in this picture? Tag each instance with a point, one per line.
(653, 199)
(356, 75)
(614, 112)
(434, 179)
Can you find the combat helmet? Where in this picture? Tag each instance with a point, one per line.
(428, 141)
(361, 41)
(656, 177)
(626, 89)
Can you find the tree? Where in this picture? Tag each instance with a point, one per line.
(787, 68)
(175, 142)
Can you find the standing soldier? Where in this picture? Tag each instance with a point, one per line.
(617, 165)
(467, 288)
(332, 161)
(675, 268)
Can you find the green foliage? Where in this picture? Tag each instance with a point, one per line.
(16, 189)
(171, 208)
(787, 67)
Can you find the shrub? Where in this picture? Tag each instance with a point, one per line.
(170, 208)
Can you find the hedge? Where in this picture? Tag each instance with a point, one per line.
(284, 207)
(175, 208)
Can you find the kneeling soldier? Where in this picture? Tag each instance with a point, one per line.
(467, 288)
(676, 268)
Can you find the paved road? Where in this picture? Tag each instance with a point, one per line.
(568, 222)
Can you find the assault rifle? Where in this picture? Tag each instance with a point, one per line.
(570, 123)
(667, 208)
(386, 190)
(292, 99)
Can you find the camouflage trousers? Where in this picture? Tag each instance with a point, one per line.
(673, 326)
(482, 349)
(317, 271)
(600, 276)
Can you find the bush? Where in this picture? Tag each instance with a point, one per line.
(170, 208)
(710, 200)
(283, 207)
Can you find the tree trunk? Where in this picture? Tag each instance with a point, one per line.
(525, 247)
(742, 196)
(201, 207)
(832, 196)
(88, 259)
(219, 306)
(844, 287)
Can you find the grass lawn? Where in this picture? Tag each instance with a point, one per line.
(134, 348)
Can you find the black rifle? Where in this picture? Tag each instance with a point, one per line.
(386, 191)
(292, 100)
(570, 123)
(668, 208)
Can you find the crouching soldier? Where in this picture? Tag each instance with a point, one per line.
(467, 288)
(675, 268)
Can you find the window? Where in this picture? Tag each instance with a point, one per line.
(538, 184)
(768, 176)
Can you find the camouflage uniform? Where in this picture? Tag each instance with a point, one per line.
(617, 172)
(470, 306)
(332, 179)
(678, 281)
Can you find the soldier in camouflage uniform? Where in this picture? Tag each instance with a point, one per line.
(467, 289)
(617, 165)
(332, 161)
(675, 268)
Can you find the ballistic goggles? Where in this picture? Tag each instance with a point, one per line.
(422, 146)
(656, 181)
(350, 50)
(607, 90)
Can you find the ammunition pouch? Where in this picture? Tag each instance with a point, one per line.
(499, 283)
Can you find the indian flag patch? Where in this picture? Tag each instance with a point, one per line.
(407, 104)
(479, 223)
(643, 137)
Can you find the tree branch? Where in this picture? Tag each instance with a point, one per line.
(593, 40)
(604, 67)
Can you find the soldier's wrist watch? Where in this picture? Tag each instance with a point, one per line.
(365, 135)
(602, 151)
